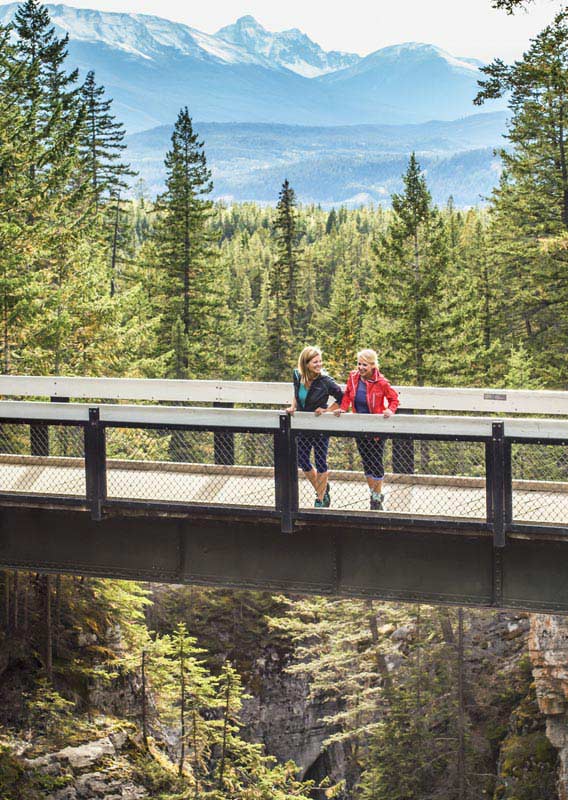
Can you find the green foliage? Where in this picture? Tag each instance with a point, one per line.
(18, 781)
(529, 215)
(188, 299)
(407, 299)
(529, 762)
(283, 296)
(49, 712)
(102, 144)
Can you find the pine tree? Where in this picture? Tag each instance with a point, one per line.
(286, 267)
(187, 285)
(49, 96)
(530, 206)
(17, 289)
(102, 144)
(406, 298)
(340, 324)
(472, 300)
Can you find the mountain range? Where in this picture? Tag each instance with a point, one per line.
(271, 105)
(350, 165)
(151, 67)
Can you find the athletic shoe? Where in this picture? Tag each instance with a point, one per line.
(318, 503)
(326, 497)
(376, 503)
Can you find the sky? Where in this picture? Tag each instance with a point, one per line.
(463, 27)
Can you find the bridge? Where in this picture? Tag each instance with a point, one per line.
(168, 481)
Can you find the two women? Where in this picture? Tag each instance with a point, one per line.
(312, 390)
(367, 392)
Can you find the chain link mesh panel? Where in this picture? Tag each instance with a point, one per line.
(42, 459)
(540, 483)
(203, 467)
(422, 477)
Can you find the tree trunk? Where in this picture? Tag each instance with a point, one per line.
(446, 626)
(144, 706)
(48, 630)
(57, 640)
(461, 765)
(380, 660)
(6, 600)
(195, 754)
(15, 592)
(182, 712)
(225, 728)
(114, 249)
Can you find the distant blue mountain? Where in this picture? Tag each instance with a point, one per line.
(421, 77)
(349, 165)
(152, 67)
(290, 49)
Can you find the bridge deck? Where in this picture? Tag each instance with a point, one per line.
(210, 484)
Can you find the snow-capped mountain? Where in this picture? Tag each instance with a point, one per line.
(421, 76)
(152, 67)
(141, 35)
(291, 49)
(409, 56)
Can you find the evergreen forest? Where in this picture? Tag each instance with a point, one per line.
(98, 279)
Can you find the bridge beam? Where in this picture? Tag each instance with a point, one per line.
(408, 566)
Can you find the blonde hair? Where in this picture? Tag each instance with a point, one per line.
(305, 357)
(370, 356)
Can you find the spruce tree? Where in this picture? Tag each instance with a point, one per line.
(339, 325)
(16, 284)
(288, 253)
(406, 297)
(529, 214)
(186, 285)
(49, 95)
(102, 144)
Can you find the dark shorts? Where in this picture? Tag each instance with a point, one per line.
(320, 445)
(372, 452)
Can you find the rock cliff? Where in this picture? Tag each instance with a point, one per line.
(548, 649)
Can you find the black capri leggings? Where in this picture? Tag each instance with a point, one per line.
(372, 452)
(320, 445)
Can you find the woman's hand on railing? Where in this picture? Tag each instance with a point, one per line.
(388, 413)
(319, 411)
(290, 410)
(338, 412)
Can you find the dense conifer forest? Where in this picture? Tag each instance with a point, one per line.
(96, 278)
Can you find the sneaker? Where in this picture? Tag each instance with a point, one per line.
(326, 497)
(376, 502)
(318, 503)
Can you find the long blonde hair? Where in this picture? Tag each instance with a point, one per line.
(370, 356)
(305, 357)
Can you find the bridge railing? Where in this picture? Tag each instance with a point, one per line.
(419, 398)
(470, 473)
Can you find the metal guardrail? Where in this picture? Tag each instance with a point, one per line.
(465, 473)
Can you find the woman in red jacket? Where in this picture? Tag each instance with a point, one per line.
(369, 392)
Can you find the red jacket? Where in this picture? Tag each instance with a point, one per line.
(378, 390)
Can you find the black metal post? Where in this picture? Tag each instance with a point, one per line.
(63, 438)
(39, 433)
(508, 482)
(224, 443)
(403, 451)
(95, 463)
(496, 483)
(489, 481)
(285, 474)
